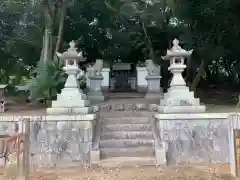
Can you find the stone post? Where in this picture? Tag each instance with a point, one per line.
(179, 99)
(88, 70)
(142, 84)
(106, 79)
(95, 75)
(154, 91)
(23, 171)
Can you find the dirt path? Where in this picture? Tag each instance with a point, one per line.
(215, 172)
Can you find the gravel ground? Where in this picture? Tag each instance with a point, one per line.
(217, 172)
(140, 173)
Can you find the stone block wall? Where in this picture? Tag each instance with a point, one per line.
(62, 143)
(194, 139)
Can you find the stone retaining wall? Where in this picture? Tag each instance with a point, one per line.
(194, 138)
(189, 138)
(60, 143)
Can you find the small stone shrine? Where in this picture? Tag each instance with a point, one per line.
(71, 100)
(179, 99)
(122, 77)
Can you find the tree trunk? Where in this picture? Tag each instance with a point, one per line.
(47, 42)
(42, 51)
(230, 73)
(46, 52)
(60, 30)
(149, 44)
(198, 76)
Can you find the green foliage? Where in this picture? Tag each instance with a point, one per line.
(49, 80)
(82, 81)
(131, 30)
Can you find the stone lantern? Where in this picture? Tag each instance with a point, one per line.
(71, 100)
(71, 113)
(179, 99)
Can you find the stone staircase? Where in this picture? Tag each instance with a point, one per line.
(126, 139)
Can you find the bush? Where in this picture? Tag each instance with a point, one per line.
(49, 79)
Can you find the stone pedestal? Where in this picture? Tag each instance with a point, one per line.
(71, 100)
(142, 73)
(154, 90)
(95, 92)
(179, 99)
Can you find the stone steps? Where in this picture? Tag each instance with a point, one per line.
(125, 143)
(125, 114)
(127, 135)
(127, 152)
(126, 127)
(126, 120)
(127, 162)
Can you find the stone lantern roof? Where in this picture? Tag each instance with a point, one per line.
(71, 53)
(177, 51)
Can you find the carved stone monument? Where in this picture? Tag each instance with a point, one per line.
(71, 100)
(95, 76)
(179, 99)
(154, 90)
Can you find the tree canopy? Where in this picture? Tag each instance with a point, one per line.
(32, 31)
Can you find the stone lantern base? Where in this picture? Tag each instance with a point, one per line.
(70, 101)
(180, 100)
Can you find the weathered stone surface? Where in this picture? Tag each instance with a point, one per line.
(160, 155)
(127, 152)
(122, 143)
(95, 91)
(7, 127)
(127, 127)
(124, 162)
(152, 107)
(60, 143)
(126, 120)
(141, 106)
(118, 107)
(123, 107)
(154, 89)
(127, 135)
(195, 141)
